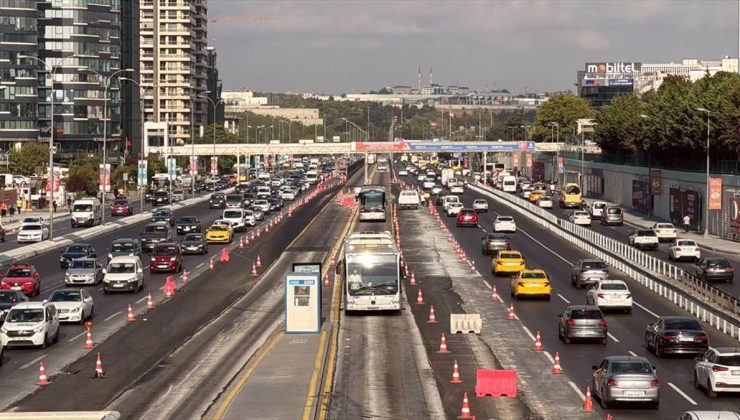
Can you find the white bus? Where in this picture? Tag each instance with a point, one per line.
(382, 164)
(371, 272)
(371, 158)
(372, 203)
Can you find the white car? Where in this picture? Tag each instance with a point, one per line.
(250, 219)
(33, 220)
(403, 172)
(73, 305)
(436, 189)
(264, 205)
(287, 195)
(480, 205)
(235, 217)
(643, 239)
(457, 189)
(526, 194)
(124, 273)
(449, 199)
(409, 199)
(544, 202)
(32, 232)
(428, 184)
(580, 217)
(421, 177)
(453, 209)
(596, 208)
(684, 248)
(30, 324)
(610, 294)
(718, 370)
(504, 224)
(665, 231)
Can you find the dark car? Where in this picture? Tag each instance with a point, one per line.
(582, 322)
(248, 200)
(148, 195)
(76, 251)
(2, 233)
(124, 246)
(161, 198)
(121, 207)
(234, 200)
(492, 243)
(242, 188)
(194, 243)
(217, 201)
(676, 335)
(275, 203)
(153, 234)
(164, 215)
(715, 269)
(8, 298)
(440, 198)
(166, 257)
(187, 224)
(467, 217)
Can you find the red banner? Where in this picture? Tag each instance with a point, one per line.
(735, 214)
(380, 147)
(656, 182)
(214, 165)
(104, 177)
(715, 193)
(515, 160)
(529, 160)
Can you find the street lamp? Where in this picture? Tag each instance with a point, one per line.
(51, 137)
(553, 125)
(141, 108)
(215, 105)
(706, 202)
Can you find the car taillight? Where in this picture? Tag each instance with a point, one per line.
(706, 270)
(716, 368)
(547, 284)
(154, 259)
(678, 248)
(611, 382)
(571, 323)
(602, 323)
(655, 383)
(668, 337)
(629, 295)
(703, 338)
(601, 295)
(731, 270)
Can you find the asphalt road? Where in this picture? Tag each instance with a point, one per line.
(20, 367)
(544, 250)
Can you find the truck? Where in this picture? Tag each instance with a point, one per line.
(409, 199)
(447, 174)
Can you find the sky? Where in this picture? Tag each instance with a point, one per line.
(342, 46)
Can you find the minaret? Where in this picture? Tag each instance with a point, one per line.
(419, 79)
(430, 75)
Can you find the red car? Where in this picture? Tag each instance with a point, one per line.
(467, 217)
(23, 277)
(166, 257)
(121, 207)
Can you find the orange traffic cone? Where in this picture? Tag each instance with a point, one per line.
(443, 345)
(472, 266)
(413, 279)
(432, 315)
(224, 255)
(241, 242)
(131, 317)
(210, 263)
(609, 416)
(184, 276)
(149, 301)
(494, 294)
(246, 240)
(537, 342)
(326, 279)
(419, 298)
(588, 405)
(512, 315)
(556, 369)
(89, 340)
(259, 261)
(455, 374)
(43, 380)
(333, 261)
(99, 368)
(465, 412)
(254, 270)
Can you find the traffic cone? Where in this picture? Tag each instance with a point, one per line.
(588, 405)
(149, 301)
(556, 369)
(472, 267)
(609, 416)
(413, 279)
(537, 342)
(432, 315)
(184, 276)
(259, 261)
(333, 261)
(419, 298)
(89, 340)
(254, 270)
(326, 279)
(224, 255)
(210, 263)
(455, 374)
(465, 412)
(512, 315)
(241, 242)
(43, 380)
(443, 345)
(131, 317)
(99, 368)
(494, 294)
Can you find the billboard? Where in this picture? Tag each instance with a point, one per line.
(515, 160)
(193, 165)
(142, 173)
(656, 182)
(613, 68)
(623, 81)
(715, 193)
(682, 203)
(214, 165)
(104, 177)
(641, 196)
(380, 146)
(529, 160)
(734, 203)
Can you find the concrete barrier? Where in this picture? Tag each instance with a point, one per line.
(465, 323)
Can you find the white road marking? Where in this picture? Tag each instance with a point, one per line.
(33, 362)
(113, 316)
(646, 309)
(77, 336)
(142, 299)
(564, 299)
(575, 388)
(632, 353)
(612, 337)
(488, 285)
(529, 333)
(545, 246)
(681, 393)
(200, 265)
(549, 356)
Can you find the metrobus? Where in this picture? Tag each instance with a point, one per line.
(570, 196)
(371, 158)
(372, 201)
(371, 271)
(383, 164)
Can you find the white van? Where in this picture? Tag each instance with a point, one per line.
(86, 212)
(311, 177)
(40, 319)
(508, 184)
(408, 199)
(450, 199)
(264, 192)
(235, 217)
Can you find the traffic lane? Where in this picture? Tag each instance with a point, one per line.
(139, 347)
(543, 316)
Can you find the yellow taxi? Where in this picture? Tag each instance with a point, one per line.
(507, 262)
(535, 195)
(219, 233)
(531, 283)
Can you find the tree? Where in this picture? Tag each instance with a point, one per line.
(85, 175)
(565, 109)
(29, 159)
(620, 126)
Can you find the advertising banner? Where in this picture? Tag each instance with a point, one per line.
(715, 193)
(734, 203)
(380, 146)
(561, 165)
(529, 160)
(193, 165)
(538, 171)
(656, 181)
(104, 177)
(515, 160)
(684, 203)
(214, 165)
(141, 179)
(171, 165)
(640, 196)
(55, 175)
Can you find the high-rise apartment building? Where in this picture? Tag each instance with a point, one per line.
(174, 61)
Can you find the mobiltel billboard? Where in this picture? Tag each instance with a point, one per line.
(613, 67)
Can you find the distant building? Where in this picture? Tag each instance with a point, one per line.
(215, 113)
(401, 90)
(242, 100)
(231, 124)
(305, 116)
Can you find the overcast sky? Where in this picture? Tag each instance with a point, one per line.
(353, 46)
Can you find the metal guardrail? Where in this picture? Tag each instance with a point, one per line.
(683, 289)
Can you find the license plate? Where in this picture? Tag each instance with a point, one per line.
(15, 288)
(162, 266)
(533, 285)
(735, 372)
(686, 339)
(192, 248)
(118, 285)
(186, 229)
(634, 393)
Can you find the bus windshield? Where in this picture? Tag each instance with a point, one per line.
(369, 274)
(372, 201)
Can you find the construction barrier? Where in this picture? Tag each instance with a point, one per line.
(495, 383)
(465, 323)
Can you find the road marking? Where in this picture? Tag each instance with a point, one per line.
(545, 246)
(612, 337)
(681, 393)
(632, 353)
(488, 285)
(529, 333)
(113, 316)
(77, 336)
(200, 265)
(549, 356)
(315, 377)
(564, 299)
(575, 388)
(33, 362)
(646, 309)
(142, 299)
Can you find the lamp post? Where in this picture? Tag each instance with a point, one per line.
(51, 137)
(141, 109)
(706, 201)
(215, 106)
(553, 125)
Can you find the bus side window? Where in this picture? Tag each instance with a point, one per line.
(340, 266)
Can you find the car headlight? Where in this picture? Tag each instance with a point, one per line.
(3, 330)
(38, 329)
(110, 256)
(173, 258)
(66, 275)
(75, 310)
(153, 259)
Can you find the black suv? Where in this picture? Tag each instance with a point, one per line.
(187, 224)
(160, 198)
(217, 201)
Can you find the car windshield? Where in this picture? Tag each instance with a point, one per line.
(572, 189)
(686, 243)
(505, 219)
(613, 286)
(217, 196)
(162, 213)
(586, 314)
(8, 297)
(733, 360)
(645, 233)
(510, 255)
(31, 227)
(682, 324)
(234, 197)
(66, 296)
(120, 202)
(25, 315)
(188, 220)
(533, 275)
(372, 274)
(121, 268)
(31, 220)
(580, 214)
(594, 265)
(18, 272)
(480, 202)
(155, 229)
(82, 207)
(164, 250)
(75, 248)
(496, 237)
(232, 214)
(599, 205)
(631, 368)
(718, 263)
(664, 226)
(614, 210)
(123, 247)
(82, 264)
(193, 237)
(218, 228)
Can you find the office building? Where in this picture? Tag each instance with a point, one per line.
(130, 105)
(215, 87)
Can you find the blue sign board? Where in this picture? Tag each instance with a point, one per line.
(301, 282)
(489, 147)
(628, 81)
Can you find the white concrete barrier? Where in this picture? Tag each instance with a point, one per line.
(465, 323)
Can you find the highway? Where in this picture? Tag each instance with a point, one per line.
(545, 250)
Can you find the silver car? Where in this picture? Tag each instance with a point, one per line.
(582, 322)
(625, 379)
(178, 195)
(84, 271)
(587, 271)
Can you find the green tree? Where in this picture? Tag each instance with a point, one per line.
(87, 170)
(31, 158)
(564, 109)
(620, 126)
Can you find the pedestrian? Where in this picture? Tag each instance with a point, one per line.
(3, 210)
(686, 223)
(54, 204)
(12, 212)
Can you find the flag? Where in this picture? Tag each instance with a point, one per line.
(128, 143)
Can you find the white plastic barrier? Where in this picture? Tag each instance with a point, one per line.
(465, 323)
